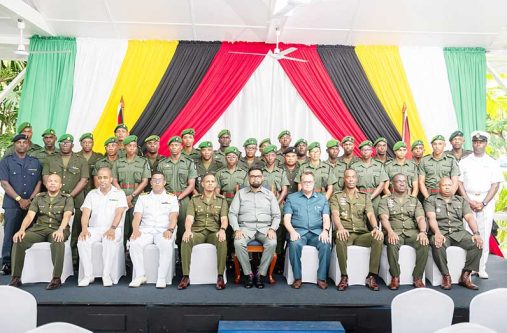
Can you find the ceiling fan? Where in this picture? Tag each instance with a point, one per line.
(21, 50)
(276, 53)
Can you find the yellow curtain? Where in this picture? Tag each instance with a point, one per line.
(141, 71)
(385, 72)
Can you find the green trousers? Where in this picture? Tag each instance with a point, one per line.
(359, 239)
(393, 255)
(37, 234)
(440, 255)
(181, 221)
(205, 236)
(76, 228)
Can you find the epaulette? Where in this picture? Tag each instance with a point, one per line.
(170, 194)
(39, 194)
(66, 195)
(220, 196)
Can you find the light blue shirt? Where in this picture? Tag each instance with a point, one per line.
(306, 212)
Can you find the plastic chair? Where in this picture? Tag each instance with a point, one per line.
(466, 328)
(488, 309)
(203, 264)
(254, 246)
(18, 310)
(59, 327)
(407, 264)
(309, 265)
(38, 266)
(456, 257)
(358, 260)
(118, 269)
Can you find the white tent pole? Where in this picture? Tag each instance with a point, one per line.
(12, 85)
(497, 77)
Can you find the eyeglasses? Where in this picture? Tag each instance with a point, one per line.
(308, 182)
(157, 180)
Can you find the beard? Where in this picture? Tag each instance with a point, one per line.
(255, 185)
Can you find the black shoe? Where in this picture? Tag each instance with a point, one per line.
(259, 282)
(249, 281)
(6, 270)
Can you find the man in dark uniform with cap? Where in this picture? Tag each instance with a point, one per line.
(111, 146)
(348, 151)
(224, 138)
(121, 131)
(152, 144)
(456, 139)
(417, 149)
(86, 141)
(337, 167)
(206, 164)
(285, 139)
(26, 129)
(187, 138)
(49, 138)
(381, 150)
(301, 146)
(291, 167)
(246, 162)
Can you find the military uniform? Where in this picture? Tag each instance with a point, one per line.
(202, 170)
(369, 177)
(291, 177)
(103, 163)
(402, 214)
(194, 154)
(243, 163)
(388, 159)
(92, 160)
(409, 169)
(434, 170)
(32, 150)
(464, 154)
(230, 181)
(153, 163)
(338, 170)
(207, 222)
(352, 161)
(322, 175)
(220, 156)
(449, 216)
(353, 212)
(42, 154)
(49, 218)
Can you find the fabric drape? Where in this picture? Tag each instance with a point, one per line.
(98, 62)
(427, 76)
(227, 75)
(314, 85)
(190, 63)
(47, 90)
(384, 69)
(143, 66)
(466, 70)
(348, 76)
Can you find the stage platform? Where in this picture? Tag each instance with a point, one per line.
(200, 307)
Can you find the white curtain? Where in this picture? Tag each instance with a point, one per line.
(268, 104)
(427, 75)
(97, 64)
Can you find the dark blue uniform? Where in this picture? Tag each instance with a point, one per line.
(22, 174)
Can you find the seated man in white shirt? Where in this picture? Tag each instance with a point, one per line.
(102, 221)
(155, 218)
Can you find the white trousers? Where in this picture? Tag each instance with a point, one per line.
(109, 250)
(165, 246)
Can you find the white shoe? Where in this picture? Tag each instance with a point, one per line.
(161, 284)
(85, 282)
(483, 275)
(107, 282)
(137, 282)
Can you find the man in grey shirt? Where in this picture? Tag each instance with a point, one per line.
(254, 214)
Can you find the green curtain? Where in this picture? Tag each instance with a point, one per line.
(47, 91)
(466, 70)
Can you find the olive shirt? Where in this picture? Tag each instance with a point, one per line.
(243, 164)
(220, 156)
(369, 177)
(409, 169)
(434, 169)
(230, 181)
(177, 173)
(201, 170)
(130, 173)
(102, 163)
(153, 164)
(291, 177)
(322, 174)
(403, 213)
(207, 214)
(91, 164)
(50, 210)
(194, 154)
(338, 171)
(274, 180)
(352, 161)
(352, 210)
(76, 169)
(449, 215)
(464, 154)
(42, 154)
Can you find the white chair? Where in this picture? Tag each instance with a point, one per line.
(421, 310)
(407, 264)
(488, 309)
(466, 328)
(59, 327)
(456, 257)
(38, 266)
(309, 265)
(118, 269)
(358, 261)
(18, 310)
(203, 264)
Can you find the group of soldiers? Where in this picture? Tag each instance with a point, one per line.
(139, 197)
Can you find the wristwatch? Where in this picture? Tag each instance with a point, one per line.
(18, 198)
(484, 203)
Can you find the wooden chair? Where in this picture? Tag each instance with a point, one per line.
(254, 246)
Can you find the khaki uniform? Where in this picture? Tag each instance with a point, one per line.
(101, 163)
(194, 154)
(123, 153)
(291, 177)
(49, 218)
(323, 175)
(450, 216)
(91, 164)
(409, 169)
(338, 171)
(201, 169)
(434, 170)
(464, 154)
(388, 159)
(243, 163)
(369, 177)
(207, 221)
(353, 212)
(402, 214)
(352, 161)
(153, 163)
(42, 155)
(220, 156)
(230, 182)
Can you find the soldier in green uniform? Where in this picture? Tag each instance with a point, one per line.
(206, 164)
(406, 167)
(445, 212)
(301, 146)
(371, 176)
(402, 217)
(324, 178)
(130, 174)
(264, 143)
(435, 166)
(284, 138)
(26, 129)
(206, 222)
(86, 141)
(49, 139)
(224, 138)
(456, 139)
(180, 175)
(348, 157)
(109, 160)
(349, 209)
(417, 149)
(337, 167)
(152, 144)
(381, 150)
(291, 168)
(53, 210)
(121, 131)
(250, 146)
(187, 138)
(74, 172)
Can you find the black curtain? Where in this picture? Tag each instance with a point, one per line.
(182, 77)
(350, 80)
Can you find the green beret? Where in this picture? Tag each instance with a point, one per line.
(437, 137)
(130, 139)
(266, 140)
(66, 137)
(23, 126)
(121, 126)
(381, 139)
(205, 144)
(223, 132)
(455, 134)
(231, 150)
(282, 133)
(174, 139)
(417, 143)
(300, 141)
(110, 140)
(86, 136)
(332, 143)
(347, 138)
(313, 145)
(250, 141)
(269, 149)
(365, 143)
(398, 145)
(49, 131)
(152, 138)
(190, 131)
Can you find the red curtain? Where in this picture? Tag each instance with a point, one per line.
(227, 75)
(318, 91)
